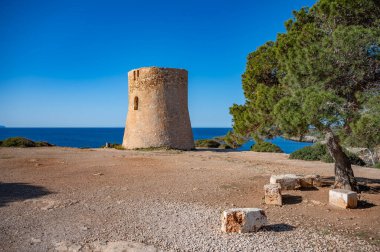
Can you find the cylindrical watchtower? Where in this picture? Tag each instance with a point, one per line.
(157, 112)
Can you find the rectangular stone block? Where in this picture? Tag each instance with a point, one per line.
(343, 198)
(310, 181)
(273, 194)
(287, 181)
(243, 220)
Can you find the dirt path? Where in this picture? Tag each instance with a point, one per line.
(98, 199)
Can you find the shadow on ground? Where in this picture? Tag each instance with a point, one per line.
(291, 199)
(11, 192)
(363, 204)
(309, 189)
(367, 185)
(282, 227)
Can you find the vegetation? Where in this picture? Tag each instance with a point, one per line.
(366, 130)
(262, 146)
(320, 152)
(207, 143)
(321, 75)
(114, 146)
(22, 142)
(233, 140)
(312, 153)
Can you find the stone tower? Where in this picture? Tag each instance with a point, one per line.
(157, 112)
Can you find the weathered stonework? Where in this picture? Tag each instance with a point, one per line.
(158, 115)
(243, 220)
(343, 198)
(310, 181)
(287, 181)
(273, 194)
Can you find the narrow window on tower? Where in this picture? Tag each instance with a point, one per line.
(136, 103)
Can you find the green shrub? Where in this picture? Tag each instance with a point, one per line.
(207, 143)
(265, 147)
(327, 158)
(118, 147)
(22, 142)
(319, 152)
(377, 165)
(18, 142)
(311, 153)
(43, 144)
(114, 146)
(225, 146)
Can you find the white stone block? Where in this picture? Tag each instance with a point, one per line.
(273, 194)
(243, 220)
(343, 198)
(287, 181)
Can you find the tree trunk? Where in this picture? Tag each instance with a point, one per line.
(344, 175)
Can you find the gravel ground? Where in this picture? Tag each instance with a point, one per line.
(72, 202)
(154, 224)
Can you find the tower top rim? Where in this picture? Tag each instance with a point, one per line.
(159, 68)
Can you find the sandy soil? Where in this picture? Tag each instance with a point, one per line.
(68, 199)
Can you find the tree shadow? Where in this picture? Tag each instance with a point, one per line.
(282, 227)
(11, 192)
(363, 204)
(313, 188)
(368, 185)
(291, 199)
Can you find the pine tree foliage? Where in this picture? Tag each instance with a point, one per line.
(320, 74)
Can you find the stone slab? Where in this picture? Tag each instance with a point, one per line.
(310, 181)
(287, 181)
(243, 220)
(343, 198)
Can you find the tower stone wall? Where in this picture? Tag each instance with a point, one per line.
(158, 113)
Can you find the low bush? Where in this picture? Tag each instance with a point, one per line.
(207, 143)
(43, 144)
(225, 146)
(319, 152)
(114, 146)
(22, 142)
(265, 147)
(18, 142)
(312, 153)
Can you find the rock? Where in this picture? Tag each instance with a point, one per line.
(84, 228)
(35, 240)
(243, 220)
(287, 181)
(273, 194)
(343, 198)
(310, 181)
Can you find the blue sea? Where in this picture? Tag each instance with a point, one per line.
(96, 137)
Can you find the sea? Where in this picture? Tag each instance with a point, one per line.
(97, 137)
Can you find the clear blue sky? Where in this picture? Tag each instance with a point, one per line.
(65, 63)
